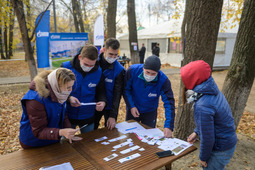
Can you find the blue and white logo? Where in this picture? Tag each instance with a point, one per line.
(108, 80)
(42, 34)
(92, 85)
(152, 95)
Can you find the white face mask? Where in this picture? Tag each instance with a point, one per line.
(86, 68)
(110, 60)
(148, 78)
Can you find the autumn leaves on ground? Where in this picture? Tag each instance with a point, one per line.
(10, 113)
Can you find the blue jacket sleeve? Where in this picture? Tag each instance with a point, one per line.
(206, 131)
(128, 89)
(168, 99)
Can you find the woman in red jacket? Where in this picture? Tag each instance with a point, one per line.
(44, 121)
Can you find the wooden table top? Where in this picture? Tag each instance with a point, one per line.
(88, 154)
(36, 158)
(95, 152)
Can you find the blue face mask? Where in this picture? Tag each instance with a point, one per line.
(148, 78)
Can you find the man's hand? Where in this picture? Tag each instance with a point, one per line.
(111, 123)
(100, 106)
(135, 112)
(203, 163)
(74, 101)
(192, 138)
(168, 133)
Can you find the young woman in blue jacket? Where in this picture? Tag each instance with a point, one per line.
(213, 117)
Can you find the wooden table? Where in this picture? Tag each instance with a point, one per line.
(95, 152)
(45, 156)
(88, 154)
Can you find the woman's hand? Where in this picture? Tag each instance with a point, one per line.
(192, 138)
(74, 101)
(68, 133)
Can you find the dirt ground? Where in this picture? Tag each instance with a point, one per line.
(10, 113)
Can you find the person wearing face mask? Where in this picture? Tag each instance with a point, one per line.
(144, 83)
(114, 82)
(88, 88)
(213, 117)
(44, 120)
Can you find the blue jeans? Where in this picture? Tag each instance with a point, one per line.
(219, 159)
(88, 128)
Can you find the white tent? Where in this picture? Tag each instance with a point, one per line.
(170, 51)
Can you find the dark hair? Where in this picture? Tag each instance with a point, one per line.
(113, 43)
(90, 52)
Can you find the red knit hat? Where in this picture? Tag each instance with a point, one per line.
(195, 73)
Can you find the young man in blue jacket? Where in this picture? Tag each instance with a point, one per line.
(144, 83)
(114, 83)
(88, 88)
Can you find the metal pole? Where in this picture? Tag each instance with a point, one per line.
(54, 11)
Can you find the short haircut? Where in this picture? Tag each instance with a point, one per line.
(90, 52)
(64, 75)
(113, 43)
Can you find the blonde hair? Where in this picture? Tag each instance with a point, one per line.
(64, 76)
(90, 52)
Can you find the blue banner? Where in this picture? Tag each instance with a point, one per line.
(42, 40)
(67, 44)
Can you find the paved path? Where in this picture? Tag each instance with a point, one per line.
(26, 79)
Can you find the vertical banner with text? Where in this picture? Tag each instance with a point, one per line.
(42, 39)
(99, 32)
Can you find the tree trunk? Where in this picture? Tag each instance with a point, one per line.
(6, 40)
(78, 7)
(202, 27)
(133, 43)
(240, 77)
(19, 11)
(11, 28)
(1, 42)
(111, 18)
(76, 25)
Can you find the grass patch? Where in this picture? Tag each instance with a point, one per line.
(56, 64)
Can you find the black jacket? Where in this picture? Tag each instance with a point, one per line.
(118, 86)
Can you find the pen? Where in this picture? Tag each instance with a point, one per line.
(83, 126)
(131, 129)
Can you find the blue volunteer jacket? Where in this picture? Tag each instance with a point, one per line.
(84, 89)
(53, 110)
(213, 119)
(110, 76)
(145, 95)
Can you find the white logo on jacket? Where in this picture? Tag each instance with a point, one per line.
(108, 80)
(152, 95)
(92, 85)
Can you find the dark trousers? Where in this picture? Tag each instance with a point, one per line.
(149, 119)
(98, 116)
(141, 59)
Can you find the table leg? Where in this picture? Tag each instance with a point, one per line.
(168, 166)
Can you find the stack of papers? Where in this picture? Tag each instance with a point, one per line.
(153, 136)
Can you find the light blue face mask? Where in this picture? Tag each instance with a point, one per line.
(148, 78)
(110, 60)
(86, 68)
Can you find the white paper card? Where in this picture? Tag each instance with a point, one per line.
(129, 157)
(110, 157)
(130, 149)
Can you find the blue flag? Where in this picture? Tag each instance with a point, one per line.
(42, 40)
